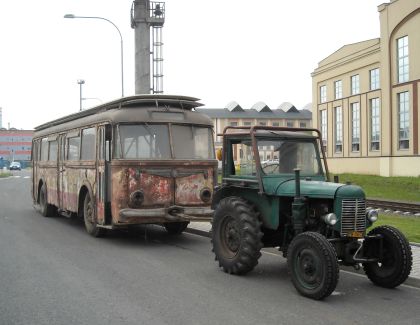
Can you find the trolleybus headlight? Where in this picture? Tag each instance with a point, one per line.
(372, 215)
(205, 194)
(329, 219)
(136, 199)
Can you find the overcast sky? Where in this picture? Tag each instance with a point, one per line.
(216, 50)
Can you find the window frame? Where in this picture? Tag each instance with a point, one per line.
(324, 127)
(323, 94)
(403, 64)
(355, 84)
(338, 131)
(355, 126)
(338, 89)
(375, 123)
(403, 123)
(374, 79)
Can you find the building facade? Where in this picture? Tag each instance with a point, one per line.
(15, 145)
(365, 98)
(286, 115)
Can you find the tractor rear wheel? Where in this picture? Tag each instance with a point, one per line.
(236, 235)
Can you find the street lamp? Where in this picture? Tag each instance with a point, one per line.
(80, 82)
(122, 52)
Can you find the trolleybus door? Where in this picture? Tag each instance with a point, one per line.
(61, 170)
(102, 199)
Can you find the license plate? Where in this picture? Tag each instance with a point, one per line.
(356, 234)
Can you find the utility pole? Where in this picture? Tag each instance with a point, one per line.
(144, 15)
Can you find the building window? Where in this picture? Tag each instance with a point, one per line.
(374, 124)
(338, 129)
(276, 124)
(289, 124)
(262, 123)
(302, 124)
(355, 127)
(323, 128)
(338, 89)
(323, 94)
(403, 120)
(374, 79)
(233, 123)
(355, 84)
(247, 123)
(402, 59)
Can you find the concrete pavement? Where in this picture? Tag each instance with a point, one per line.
(204, 228)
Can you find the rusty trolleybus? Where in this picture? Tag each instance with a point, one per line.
(136, 160)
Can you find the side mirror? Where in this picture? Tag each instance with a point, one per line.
(219, 154)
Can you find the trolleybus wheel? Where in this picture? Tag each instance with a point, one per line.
(89, 216)
(47, 210)
(176, 228)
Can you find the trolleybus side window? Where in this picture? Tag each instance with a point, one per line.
(35, 151)
(73, 148)
(52, 155)
(88, 144)
(44, 149)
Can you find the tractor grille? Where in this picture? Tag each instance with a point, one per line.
(353, 216)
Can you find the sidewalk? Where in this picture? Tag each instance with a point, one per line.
(203, 229)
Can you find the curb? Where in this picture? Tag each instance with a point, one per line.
(198, 232)
(411, 281)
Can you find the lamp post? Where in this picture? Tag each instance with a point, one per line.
(122, 51)
(80, 82)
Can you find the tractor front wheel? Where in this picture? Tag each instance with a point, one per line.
(396, 261)
(313, 265)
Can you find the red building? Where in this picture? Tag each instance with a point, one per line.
(15, 145)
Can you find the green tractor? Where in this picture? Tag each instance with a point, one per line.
(287, 201)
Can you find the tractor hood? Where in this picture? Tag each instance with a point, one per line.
(314, 189)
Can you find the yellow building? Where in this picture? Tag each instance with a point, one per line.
(365, 98)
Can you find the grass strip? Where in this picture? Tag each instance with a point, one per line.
(4, 175)
(408, 225)
(388, 188)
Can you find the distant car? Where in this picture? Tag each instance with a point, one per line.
(15, 166)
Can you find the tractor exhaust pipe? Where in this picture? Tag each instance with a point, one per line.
(298, 206)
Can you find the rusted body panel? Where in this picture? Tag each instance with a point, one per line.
(63, 186)
(167, 192)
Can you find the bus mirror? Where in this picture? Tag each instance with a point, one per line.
(219, 154)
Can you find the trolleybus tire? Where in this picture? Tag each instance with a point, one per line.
(89, 217)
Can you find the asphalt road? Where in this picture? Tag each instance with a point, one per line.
(52, 272)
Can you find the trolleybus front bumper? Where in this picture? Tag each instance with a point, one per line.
(172, 213)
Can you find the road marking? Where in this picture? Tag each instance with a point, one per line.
(27, 177)
(16, 176)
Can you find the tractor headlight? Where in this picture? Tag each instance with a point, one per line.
(372, 215)
(329, 219)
